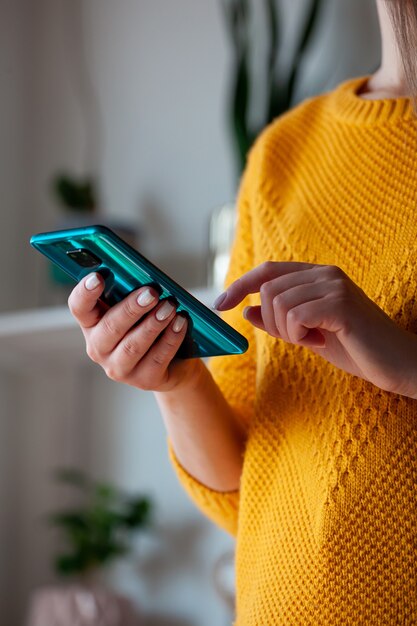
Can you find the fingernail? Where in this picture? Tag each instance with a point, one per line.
(92, 282)
(145, 297)
(245, 312)
(178, 324)
(164, 312)
(219, 301)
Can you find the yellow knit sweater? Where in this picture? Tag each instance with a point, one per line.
(326, 516)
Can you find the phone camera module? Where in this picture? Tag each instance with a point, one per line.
(84, 258)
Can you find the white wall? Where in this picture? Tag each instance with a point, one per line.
(163, 71)
(137, 92)
(15, 86)
(8, 501)
(147, 89)
(16, 208)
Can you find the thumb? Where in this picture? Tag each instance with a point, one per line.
(254, 315)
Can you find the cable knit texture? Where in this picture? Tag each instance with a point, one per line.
(326, 516)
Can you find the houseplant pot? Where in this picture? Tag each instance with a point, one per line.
(96, 532)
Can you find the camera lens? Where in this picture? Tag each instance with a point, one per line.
(84, 258)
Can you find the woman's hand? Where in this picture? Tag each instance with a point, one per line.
(319, 307)
(137, 354)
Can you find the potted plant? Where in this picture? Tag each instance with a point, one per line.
(79, 198)
(78, 195)
(95, 533)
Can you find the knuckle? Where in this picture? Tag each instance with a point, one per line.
(92, 353)
(131, 348)
(333, 272)
(341, 288)
(74, 303)
(112, 373)
(110, 327)
(150, 330)
(129, 309)
(295, 316)
(278, 301)
(267, 289)
(159, 358)
(172, 340)
(267, 267)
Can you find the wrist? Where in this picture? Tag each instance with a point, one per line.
(189, 376)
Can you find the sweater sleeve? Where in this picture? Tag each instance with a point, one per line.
(234, 374)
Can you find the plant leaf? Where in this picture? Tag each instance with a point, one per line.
(105, 493)
(97, 532)
(138, 513)
(69, 520)
(79, 195)
(68, 564)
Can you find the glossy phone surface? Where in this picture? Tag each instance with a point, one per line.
(80, 251)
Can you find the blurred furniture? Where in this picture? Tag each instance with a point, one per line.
(79, 606)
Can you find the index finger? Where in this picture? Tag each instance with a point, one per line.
(83, 300)
(252, 281)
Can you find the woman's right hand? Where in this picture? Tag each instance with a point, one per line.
(136, 354)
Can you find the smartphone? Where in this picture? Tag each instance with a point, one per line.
(79, 251)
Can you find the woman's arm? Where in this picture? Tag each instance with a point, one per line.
(204, 433)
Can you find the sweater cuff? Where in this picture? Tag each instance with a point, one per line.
(221, 507)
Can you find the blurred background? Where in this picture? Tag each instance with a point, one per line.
(134, 103)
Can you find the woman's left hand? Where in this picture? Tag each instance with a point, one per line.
(321, 308)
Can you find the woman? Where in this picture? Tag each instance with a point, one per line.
(306, 446)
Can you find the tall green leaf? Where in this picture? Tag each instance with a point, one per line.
(279, 89)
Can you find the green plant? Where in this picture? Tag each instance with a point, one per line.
(279, 88)
(75, 194)
(98, 530)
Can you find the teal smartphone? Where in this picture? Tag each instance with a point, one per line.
(80, 251)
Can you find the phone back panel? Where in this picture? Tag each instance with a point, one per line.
(124, 270)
